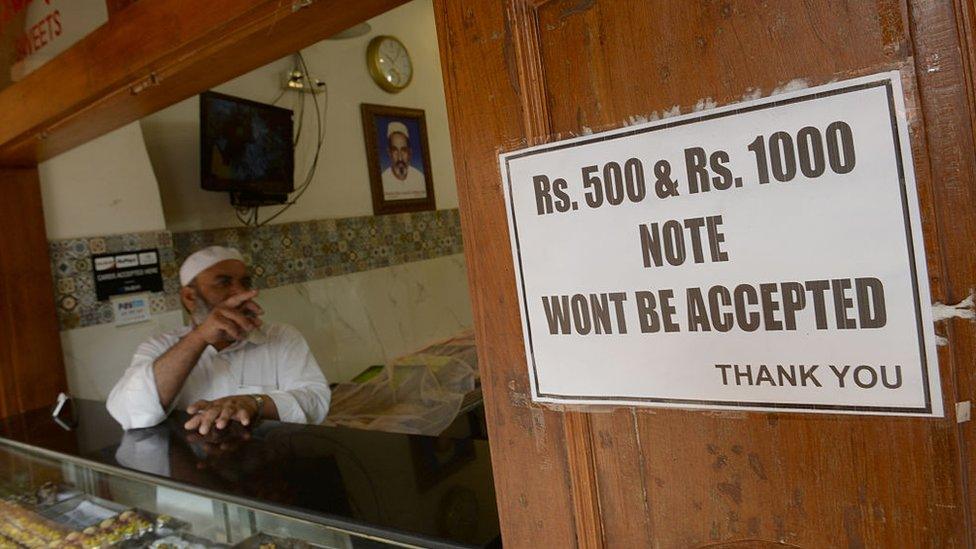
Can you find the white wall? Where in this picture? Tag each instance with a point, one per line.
(341, 184)
(96, 356)
(106, 186)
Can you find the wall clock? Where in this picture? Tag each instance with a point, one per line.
(389, 63)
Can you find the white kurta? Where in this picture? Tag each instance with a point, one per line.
(414, 186)
(275, 360)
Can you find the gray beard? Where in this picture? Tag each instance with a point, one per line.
(202, 310)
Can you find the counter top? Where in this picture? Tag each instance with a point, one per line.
(418, 490)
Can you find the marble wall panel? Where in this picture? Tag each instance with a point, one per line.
(354, 321)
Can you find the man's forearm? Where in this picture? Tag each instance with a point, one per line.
(171, 369)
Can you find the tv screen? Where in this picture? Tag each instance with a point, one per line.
(245, 146)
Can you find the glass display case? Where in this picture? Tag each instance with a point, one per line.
(83, 482)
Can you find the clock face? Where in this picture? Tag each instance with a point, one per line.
(390, 63)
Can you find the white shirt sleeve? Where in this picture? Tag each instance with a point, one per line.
(134, 401)
(304, 393)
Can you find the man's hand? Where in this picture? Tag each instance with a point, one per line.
(231, 320)
(208, 414)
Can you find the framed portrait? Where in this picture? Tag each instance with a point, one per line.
(399, 159)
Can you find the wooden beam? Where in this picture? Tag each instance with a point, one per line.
(151, 55)
(536, 506)
(115, 6)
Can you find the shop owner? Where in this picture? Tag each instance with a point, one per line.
(227, 365)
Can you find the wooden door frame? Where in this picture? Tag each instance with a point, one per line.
(538, 129)
(97, 93)
(941, 66)
(31, 362)
(946, 65)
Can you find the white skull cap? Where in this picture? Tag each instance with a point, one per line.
(395, 127)
(201, 260)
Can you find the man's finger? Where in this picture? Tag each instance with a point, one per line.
(229, 328)
(235, 301)
(239, 321)
(252, 312)
(192, 424)
(205, 425)
(253, 307)
(243, 322)
(243, 416)
(207, 419)
(225, 414)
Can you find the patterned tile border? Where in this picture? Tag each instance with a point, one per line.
(283, 254)
(74, 282)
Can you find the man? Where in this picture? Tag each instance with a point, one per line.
(401, 180)
(228, 365)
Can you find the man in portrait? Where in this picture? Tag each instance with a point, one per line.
(401, 180)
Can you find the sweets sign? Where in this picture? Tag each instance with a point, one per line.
(43, 29)
(763, 256)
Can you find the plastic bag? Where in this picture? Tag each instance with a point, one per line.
(419, 393)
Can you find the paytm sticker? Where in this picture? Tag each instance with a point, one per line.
(130, 309)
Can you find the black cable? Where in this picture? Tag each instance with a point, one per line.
(252, 212)
(253, 216)
(278, 97)
(301, 117)
(237, 212)
(320, 135)
(320, 140)
(308, 78)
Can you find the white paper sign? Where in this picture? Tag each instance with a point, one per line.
(49, 28)
(762, 256)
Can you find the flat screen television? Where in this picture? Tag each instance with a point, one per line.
(245, 147)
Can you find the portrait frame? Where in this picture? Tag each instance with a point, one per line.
(376, 119)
